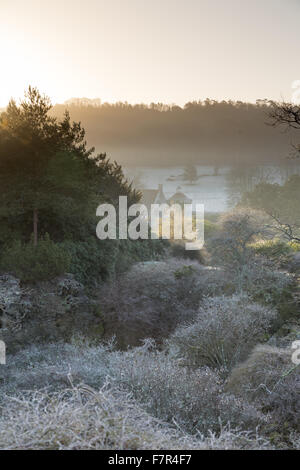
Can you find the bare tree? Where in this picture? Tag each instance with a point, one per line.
(288, 230)
(288, 115)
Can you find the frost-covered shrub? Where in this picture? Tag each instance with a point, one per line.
(224, 332)
(68, 286)
(60, 417)
(261, 371)
(193, 399)
(295, 440)
(269, 379)
(83, 418)
(248, 258)
(237, 229)
(278, 251)
(55, 366)
(154, 297)
(264, 283)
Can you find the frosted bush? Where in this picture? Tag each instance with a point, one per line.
(224, 332)
(295, 440)
(269, 379)
(153, 298)
(83, 418)
(260, 373)
(193, 399)
(55, 366)
(246, 269)
(237, 229)
(262, 282)
(43, 412)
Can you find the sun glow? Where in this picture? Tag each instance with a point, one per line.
(148, 51)
(16, 67)
(22, 63)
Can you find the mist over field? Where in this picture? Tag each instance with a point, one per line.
(229, 146)
(203, 133)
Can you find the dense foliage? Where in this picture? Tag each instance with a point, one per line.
(51, 183)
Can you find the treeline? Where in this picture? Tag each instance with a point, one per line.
(51, 185)
(203, 132)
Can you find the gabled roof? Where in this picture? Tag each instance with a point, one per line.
(180, 198)
(153, 196)
(149, 196)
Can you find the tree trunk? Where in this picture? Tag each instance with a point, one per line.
(35, 227)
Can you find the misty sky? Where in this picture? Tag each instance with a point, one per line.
(150, 50)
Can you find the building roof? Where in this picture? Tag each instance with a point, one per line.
(153, 196)
(149, 196)
(179, 197)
